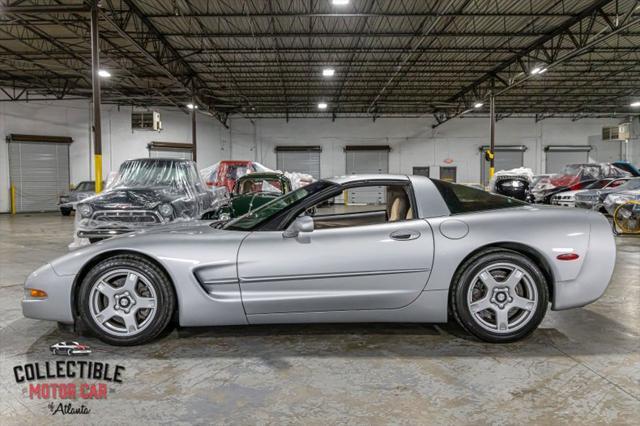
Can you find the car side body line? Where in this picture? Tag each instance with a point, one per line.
(331, 275)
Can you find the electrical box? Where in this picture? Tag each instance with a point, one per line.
(624, 131)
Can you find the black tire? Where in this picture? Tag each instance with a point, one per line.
(69, 352)
(165, 304)
(65, 211)
(463, 279)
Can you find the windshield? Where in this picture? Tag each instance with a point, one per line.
(250, 186)
(582, 169)
(236, 172)
(269, 210)
(630, 184)
(149, 173)
(85, 186)
(598, 184)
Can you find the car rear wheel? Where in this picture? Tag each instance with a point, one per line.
(499, 296)
(126, 300)
(65, 211)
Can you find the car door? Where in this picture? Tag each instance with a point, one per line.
(379, 266)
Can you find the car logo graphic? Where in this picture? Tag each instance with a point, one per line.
(70, 349)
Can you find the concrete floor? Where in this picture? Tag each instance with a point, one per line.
(581, 367)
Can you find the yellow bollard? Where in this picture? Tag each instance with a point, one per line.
(98, 168)
(13, 199)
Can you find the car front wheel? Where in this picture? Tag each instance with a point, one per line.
(499, 296)
(126, 300)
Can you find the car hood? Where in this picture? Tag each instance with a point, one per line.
(146, 198)
(195, 238)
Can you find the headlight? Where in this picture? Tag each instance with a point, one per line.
(165, 210)
(224, 216)
(85, 210)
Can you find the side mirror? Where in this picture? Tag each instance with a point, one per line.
(301, 224)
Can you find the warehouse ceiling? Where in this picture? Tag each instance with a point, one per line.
(391, 57)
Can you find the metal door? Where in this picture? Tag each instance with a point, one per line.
(39, 171)
(448, 173)
(505, 159)
(380, 266)
(558, 157)
(367, 161)
(183, 154)
(300, 161)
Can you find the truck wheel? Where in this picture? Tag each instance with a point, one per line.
(126, 300)
(65, 211)
(499, 296)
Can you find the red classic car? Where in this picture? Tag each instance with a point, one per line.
(228, 172)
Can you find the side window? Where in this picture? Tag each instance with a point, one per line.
(387, 203)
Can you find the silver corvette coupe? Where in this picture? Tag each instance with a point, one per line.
(368, 248)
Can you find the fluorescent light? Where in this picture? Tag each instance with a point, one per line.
(635, 104)
(340, 2)
(192, 106)
(104, 73)
(328, 72)
(478, 105)
(538, 70)
(322, 105)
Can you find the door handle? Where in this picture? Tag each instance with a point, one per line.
(404, 235)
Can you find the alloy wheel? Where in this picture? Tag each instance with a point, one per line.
(502, 298)
(123, 302)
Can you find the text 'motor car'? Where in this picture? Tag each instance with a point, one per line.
(416, 251)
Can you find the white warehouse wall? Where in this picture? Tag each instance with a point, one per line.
(413, 141)
(119, 142)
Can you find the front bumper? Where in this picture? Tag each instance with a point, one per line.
(563, 203)
(57, 305)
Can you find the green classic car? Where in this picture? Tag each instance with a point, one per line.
(252, 191)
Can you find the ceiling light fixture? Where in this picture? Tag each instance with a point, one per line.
(635, 104)
(340, 2)
(104, 73)
(322, 105)
(328, 72)
(538, 70)
(478, 105)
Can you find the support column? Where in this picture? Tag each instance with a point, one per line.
(95, 83)
(492, 115)
(194, 141)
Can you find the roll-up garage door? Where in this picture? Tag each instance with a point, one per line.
(170, 150)
(372, 159)
(300, 159)
(39, 170)
(558, 156)
(507, 157)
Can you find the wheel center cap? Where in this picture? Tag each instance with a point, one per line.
(501, 297)
(124, 301)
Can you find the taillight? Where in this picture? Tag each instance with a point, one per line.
(568, 256)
